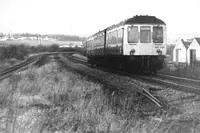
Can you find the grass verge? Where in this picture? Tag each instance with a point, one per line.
(189, 72)
(51, 99)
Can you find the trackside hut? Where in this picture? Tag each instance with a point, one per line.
(193, 52)
(180, 51)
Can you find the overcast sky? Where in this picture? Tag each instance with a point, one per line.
(83, 17)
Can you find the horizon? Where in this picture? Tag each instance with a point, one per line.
(84, 18)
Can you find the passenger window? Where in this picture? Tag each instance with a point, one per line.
(107, 39)
(119, 36)
(158, 34)
(115, 37)
(133, 34)
(112, 38)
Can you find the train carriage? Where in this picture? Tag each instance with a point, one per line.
(136, 44)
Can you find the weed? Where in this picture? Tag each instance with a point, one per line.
(184, 71)
(49, 100)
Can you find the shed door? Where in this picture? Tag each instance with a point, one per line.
(192, 56)
(177, 55)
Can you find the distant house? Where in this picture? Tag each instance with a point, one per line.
(64, 46)
(4, 38)
(78, 44)
(24, 38)
(193, 51)
(33, 38)
(27, 38)
(71, 44)
(46, 38)
(180, 51)
(10, 39)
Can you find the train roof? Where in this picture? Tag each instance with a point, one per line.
(101, 31)
(142, 19)
(139, 20)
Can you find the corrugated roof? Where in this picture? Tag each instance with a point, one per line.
(186, 43)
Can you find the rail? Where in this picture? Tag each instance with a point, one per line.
(179, 83)
(142, 91)
(9, 71)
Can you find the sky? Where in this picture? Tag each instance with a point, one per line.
(85, 17)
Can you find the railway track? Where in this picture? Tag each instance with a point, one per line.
(179, 83)
(9, 71)
(34, 58)
(142, 90)
(179, 79)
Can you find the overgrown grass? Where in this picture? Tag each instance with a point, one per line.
(184, 71)
(50, 99)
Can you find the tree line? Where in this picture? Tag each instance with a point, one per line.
(59, 37)
(21, 51)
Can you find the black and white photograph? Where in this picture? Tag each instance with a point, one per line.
(99, 66)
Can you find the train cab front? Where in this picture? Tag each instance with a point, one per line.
(146, 45)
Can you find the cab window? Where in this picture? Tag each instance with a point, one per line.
(145, 34)
(133, 34)
(157, 34)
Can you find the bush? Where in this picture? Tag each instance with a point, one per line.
(21, 51)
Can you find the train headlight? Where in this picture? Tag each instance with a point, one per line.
(132, 52)
(159, 51)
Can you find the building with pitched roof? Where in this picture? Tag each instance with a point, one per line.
(180, 51)
(193, 52)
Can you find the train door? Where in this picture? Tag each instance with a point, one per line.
(192, 57)
(177, 55)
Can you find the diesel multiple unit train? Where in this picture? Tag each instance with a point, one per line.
(137, 44)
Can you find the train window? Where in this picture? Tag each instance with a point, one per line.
(145, 34)
(102, 40)
(110, 38)
(157, 34)
(107, 39)
(133, 34)
(119, 36)
(119, 33)
(99, 43)
(115, 36)
(122, 35)
(95, 42)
